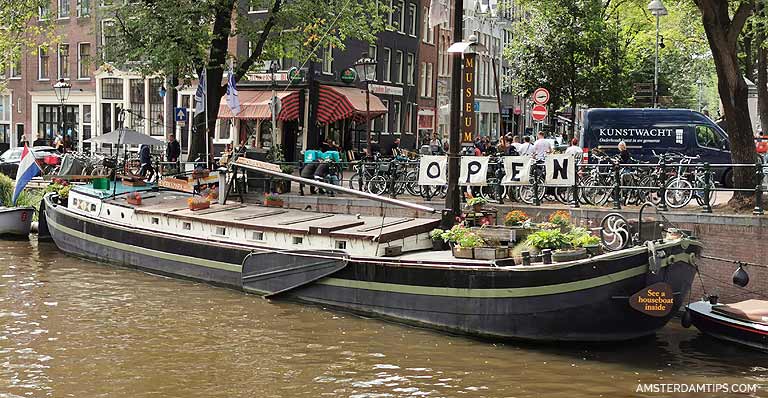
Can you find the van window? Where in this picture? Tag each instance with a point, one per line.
(707, 137)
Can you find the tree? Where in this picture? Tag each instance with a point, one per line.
(19, 28)
(571, 48)
(723, 32)
(181, 38)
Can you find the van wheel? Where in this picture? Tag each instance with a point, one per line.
(728, 179)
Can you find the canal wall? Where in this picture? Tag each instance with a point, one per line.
(738, 237)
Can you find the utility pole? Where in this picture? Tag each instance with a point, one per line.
(452, 198)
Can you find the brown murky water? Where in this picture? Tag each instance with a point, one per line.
(72, 328)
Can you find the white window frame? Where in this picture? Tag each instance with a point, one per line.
(412, 111)
(105, 22)
(59, 64)
(14, 73)
(44, 16)
(386, 117)
(427, 32)
(80, 8)
(40, 51)
(398, 116)
(399, 73)
(328, 60)
(391, 13)
(410, 66)
(253, 10)
(59, 8)
(401, 6)
(413, 10)
(388, 64)
(80, 59)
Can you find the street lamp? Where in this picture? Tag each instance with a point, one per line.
(366, 71)
(657, 9)
(61, 88)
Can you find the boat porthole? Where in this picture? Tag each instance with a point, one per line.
(693, 259)
(108, 213)
(122, 215)
(670, 260)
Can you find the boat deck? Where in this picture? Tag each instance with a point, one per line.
(256, 216)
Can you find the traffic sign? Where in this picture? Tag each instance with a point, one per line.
(541, 96)
(539, 113)
(477, 106)
(181, 114)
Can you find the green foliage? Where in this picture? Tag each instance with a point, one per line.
(276, 155)
(547, 239)
(477, 201)
(30, 198)
(462, 237)
(436, 234)
(580, 237)
(20, 28)
(272, 197)
(470, 240)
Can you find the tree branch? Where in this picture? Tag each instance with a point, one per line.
(739, 20)
(243, 68)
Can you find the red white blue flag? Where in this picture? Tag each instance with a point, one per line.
(28, 169)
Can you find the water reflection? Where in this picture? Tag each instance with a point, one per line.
(69, 327)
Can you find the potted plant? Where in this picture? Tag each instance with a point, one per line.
(133, 198)
(582, 238)
(477, 203)
(437, 239)
(561, 218)
(552, 239)
(273, 200)
(466, 245)
(276, 155)
(198, 203)
(515, 218)
(572, 249)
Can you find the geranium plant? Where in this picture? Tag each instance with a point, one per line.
(515, 217)
(272, 197)
(560, 218)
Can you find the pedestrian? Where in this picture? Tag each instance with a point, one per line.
(394, 150)
(516, 144)
(435, 145)
(172, 149)
(58, 142)
(145, 158)
(526, 149)
(503, 146)
(624, 156)
(574, 150)
(542, 147)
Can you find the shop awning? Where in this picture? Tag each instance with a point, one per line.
(255, 104)
(338, 103)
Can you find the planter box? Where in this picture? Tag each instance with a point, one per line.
(570, 255)
(199, 205)
(273, 203)
(490, 253)
(439, 245)
(460, 252)
(502, 233)
(594, 250)
(133, 201)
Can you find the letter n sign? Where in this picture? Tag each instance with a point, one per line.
(561, 170)
(468, 100)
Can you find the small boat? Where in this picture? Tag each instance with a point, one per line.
(380, 267)
(16, 222)
(744, 323)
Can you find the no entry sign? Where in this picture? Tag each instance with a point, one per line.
(539, 113)
(541, 96)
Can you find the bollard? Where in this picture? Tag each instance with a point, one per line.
(707, 194)
(526, 258)
(663, 186)
(758, 211)
(617, 186)
(536, 200)
(546, 256)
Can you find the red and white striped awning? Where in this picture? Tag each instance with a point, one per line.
(255, 104)
(338, 103)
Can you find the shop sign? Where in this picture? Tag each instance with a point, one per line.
(386, 90)
(655, 300)
(295, 75)
(348, 75)
(468, 95)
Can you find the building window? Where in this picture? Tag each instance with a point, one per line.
(341, 244)
(328, 60)
(83, 8)
(382, 123)
(107, 36)
(399, 67)
(221, 231)
(84, 61)
(387, 65)
(43, 12)
(64, 61)
(5, 119)
(396, 114)
(16, 68)
(87, 122)
(48, 121)
(401, 16)
(156, 115)
(43, 71)
(112, 88)
(63, 9)
(412, 19)
(187, 226)
(298, 240)
(409, 117)
(257, 236)
(427, 32)
(428, 89)
(391, 12)
(409, 69)
(137, 114)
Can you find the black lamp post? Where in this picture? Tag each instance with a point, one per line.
(61, 89)
(274, 107)
(366, 72)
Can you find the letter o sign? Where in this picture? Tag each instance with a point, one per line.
(433, 170)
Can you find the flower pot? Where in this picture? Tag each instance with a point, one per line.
(273, 203)
(133, 200)
(463, 252)
(282, 186)
(490, 253)
(439, 245)
(594, 250)
(562, 256)
(199, 205)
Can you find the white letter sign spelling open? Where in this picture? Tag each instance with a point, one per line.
(474, 170)
(433, 170)
(561, 170)
(517, 170)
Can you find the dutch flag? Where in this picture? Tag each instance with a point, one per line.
(28, 169)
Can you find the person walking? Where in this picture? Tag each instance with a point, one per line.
(542, 147)
(172, 153)
(525, 149)
(574, 150)
(145, 158)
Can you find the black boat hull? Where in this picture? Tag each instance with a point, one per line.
(741, 332)
(584, 302)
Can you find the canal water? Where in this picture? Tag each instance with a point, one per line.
(73, 328)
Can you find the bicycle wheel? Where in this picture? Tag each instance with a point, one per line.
(527, 196)
(678, 193)
(355, 182)
(564, 195)
(712, 194)
(594, 193)
(412, 183)
(99, 171)
(377, 185)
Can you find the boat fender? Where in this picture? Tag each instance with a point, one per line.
(740, 277)
(686, 319)
(654, 265)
